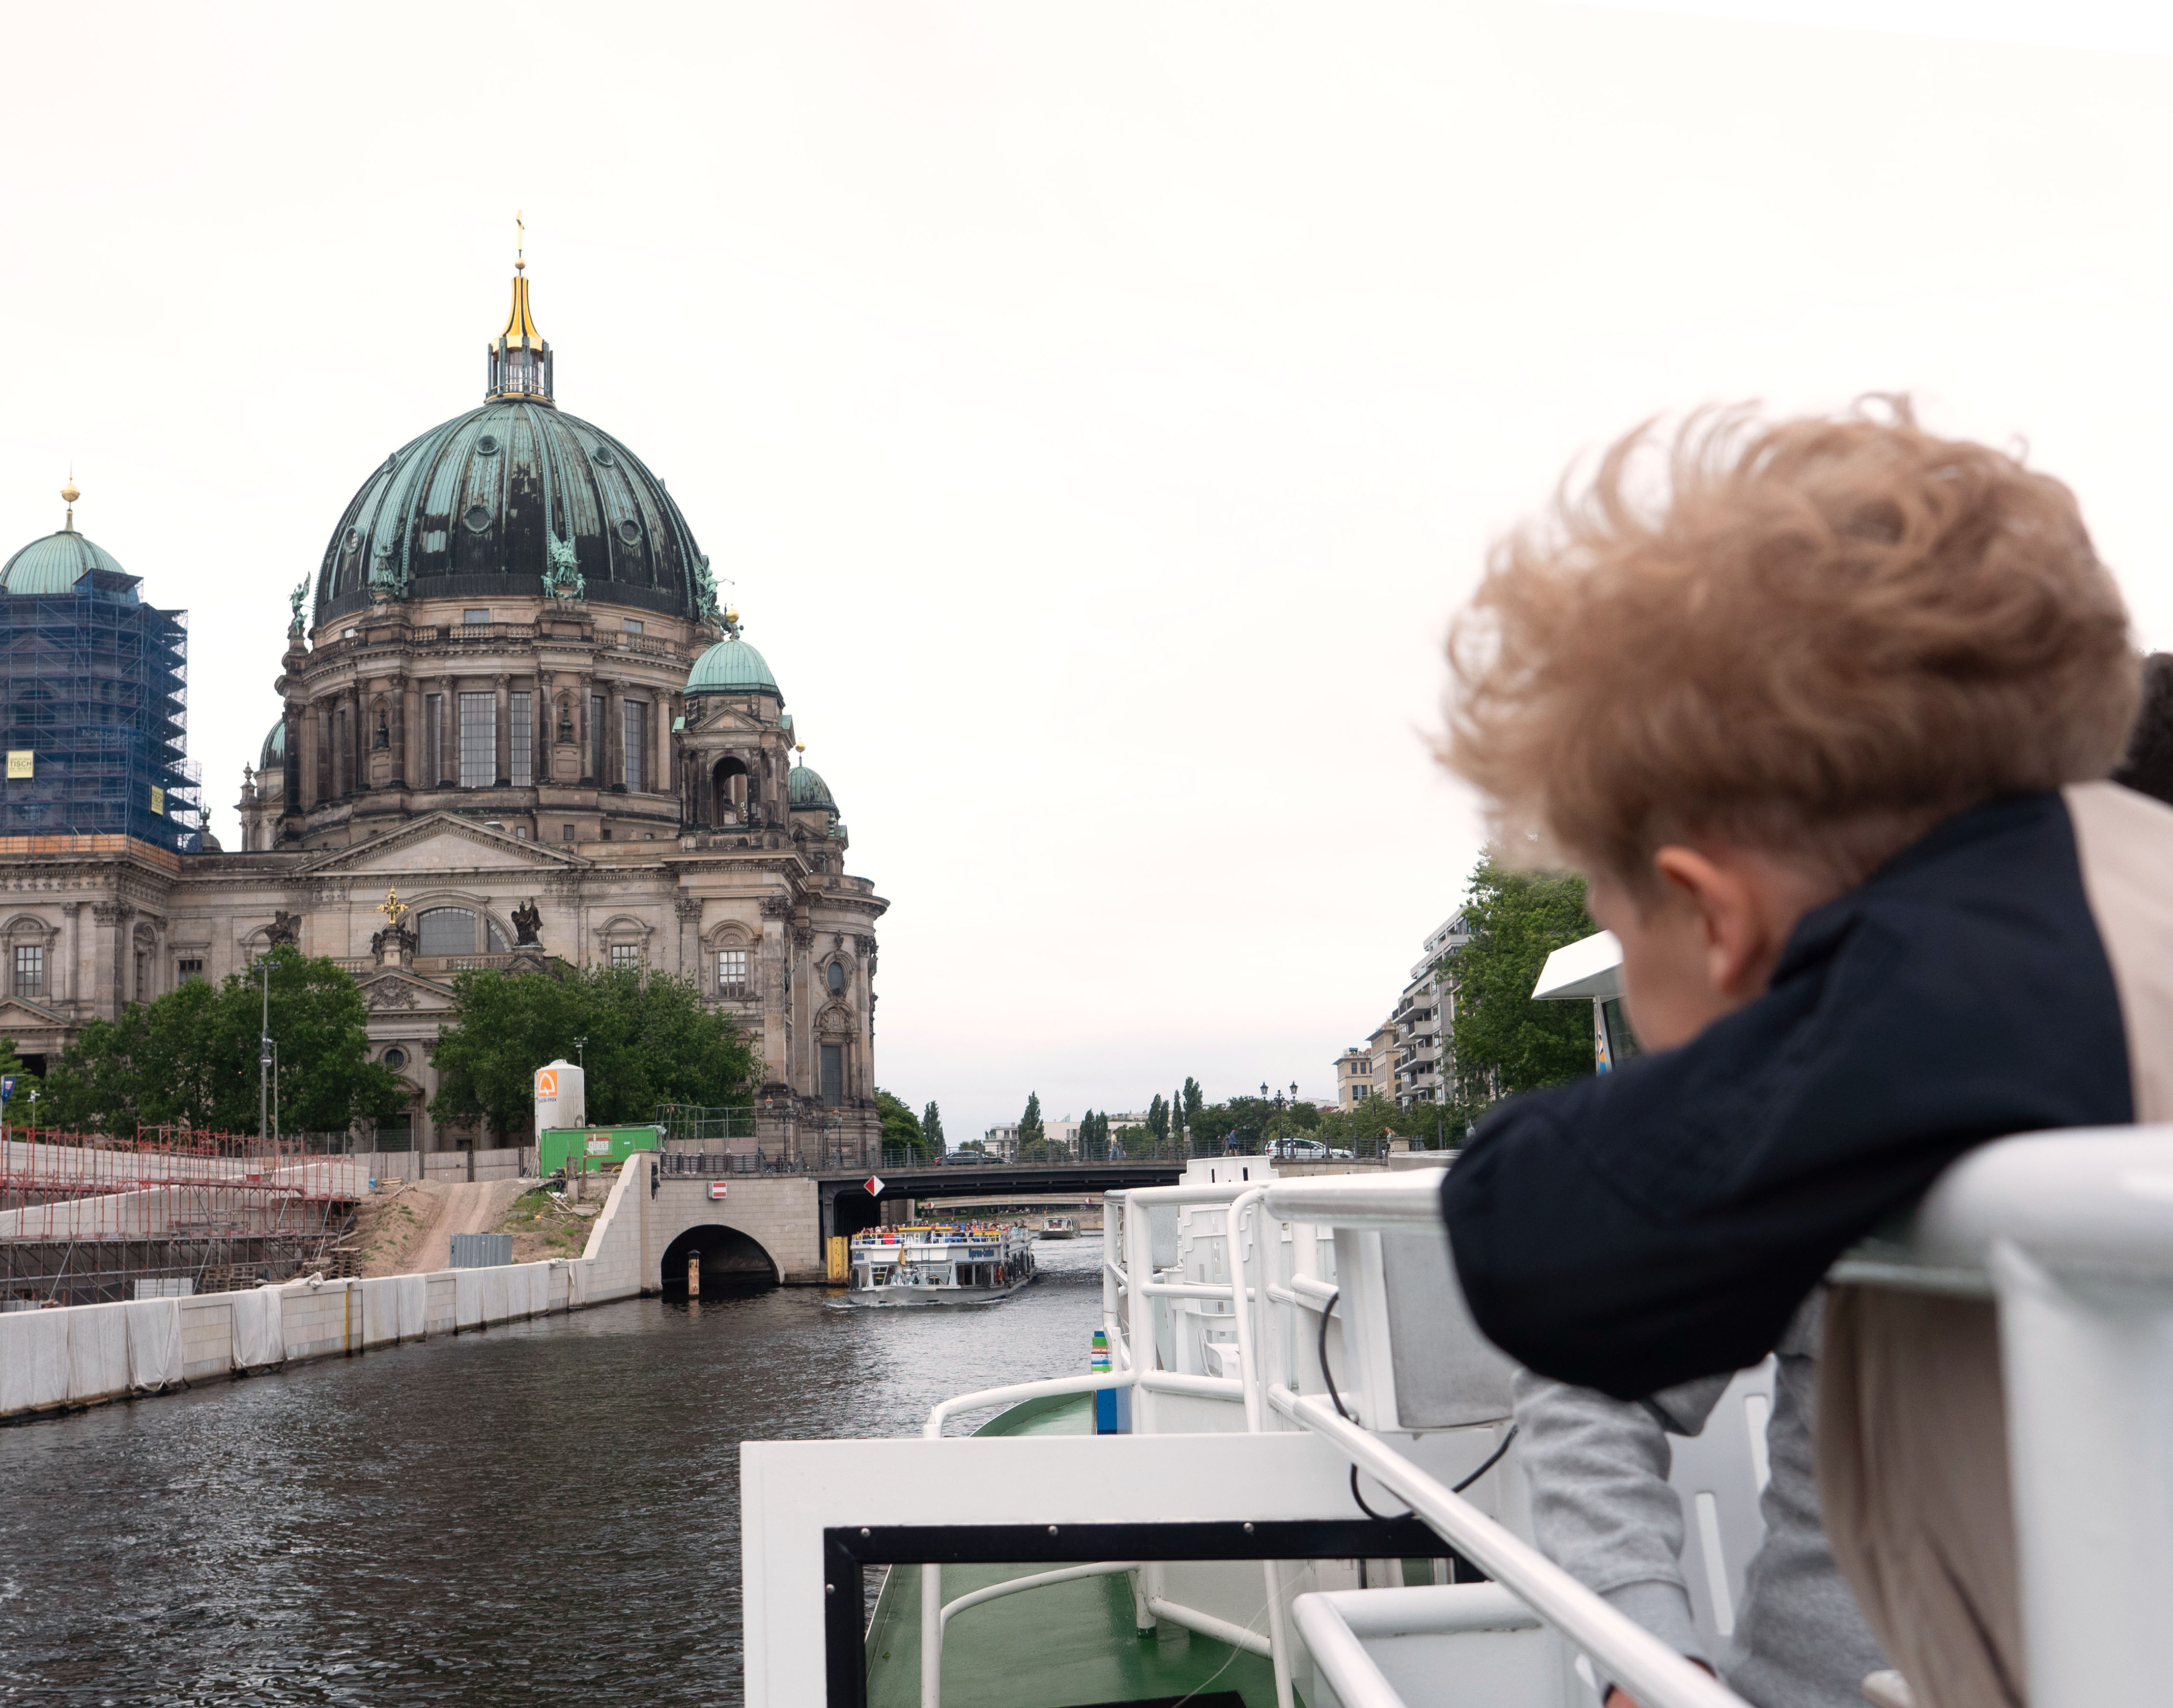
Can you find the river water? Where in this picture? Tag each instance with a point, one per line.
(545, 1513)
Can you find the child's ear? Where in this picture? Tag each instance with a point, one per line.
(1728, 917)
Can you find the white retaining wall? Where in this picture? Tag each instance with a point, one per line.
(83, 1354)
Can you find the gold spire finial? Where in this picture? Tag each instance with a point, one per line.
(393, 907)
(68, 496)
(519, 242)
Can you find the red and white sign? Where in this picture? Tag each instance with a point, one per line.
(872, 1186)
(546, 1083)
(718, 1190)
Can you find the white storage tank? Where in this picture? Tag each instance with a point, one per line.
(562, 1097)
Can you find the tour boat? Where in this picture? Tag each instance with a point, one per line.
(1290, 1477)
(1060, 1227)
(938, 1263)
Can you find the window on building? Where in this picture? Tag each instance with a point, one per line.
(633, 625)
(396, 1058)
(565, 832)
(637, 742)
(836, 977)
(189, 966)
(731, 971)
(833, 1073)
(30, 970)
(597, 739)
(478, 741)
(432, 770)
(626, 955)
(445, 931)
(524, 738)
(475, 616)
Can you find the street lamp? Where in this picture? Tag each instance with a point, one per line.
(580, 1049)
(264, 1054)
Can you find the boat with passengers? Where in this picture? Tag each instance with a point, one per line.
(938, 1263)
(1295, 1480)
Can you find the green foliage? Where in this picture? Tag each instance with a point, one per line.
(191, 1056)
(1030, 1129)
(1193, 1100)
(1158, 1119)
(18, 1112)
(1366, 1128)
(931, 1125)
(901, 1127)
(650, 1040)
(1504, 1041)
(1130, 1141)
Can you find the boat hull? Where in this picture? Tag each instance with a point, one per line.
(901, 1295)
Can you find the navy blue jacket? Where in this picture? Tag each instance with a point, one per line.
(1639, 1229)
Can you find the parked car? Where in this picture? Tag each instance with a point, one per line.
(1300, 1149)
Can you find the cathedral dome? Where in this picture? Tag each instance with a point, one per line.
(732, 667)
(56, 563)
(806, 789)
(273, 754)
(486, 504)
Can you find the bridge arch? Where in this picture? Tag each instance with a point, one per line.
(731, 1261)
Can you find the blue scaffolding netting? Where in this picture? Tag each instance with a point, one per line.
(94, 694)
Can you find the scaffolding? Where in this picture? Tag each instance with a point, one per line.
(86, 1219)
(94, 708)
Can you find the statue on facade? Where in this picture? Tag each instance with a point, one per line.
(295, 600)
(285, 928)
(527, 925)
(388, 576)
(705, 592)
(563, 580)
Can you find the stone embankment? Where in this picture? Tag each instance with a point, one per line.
(83, 1355)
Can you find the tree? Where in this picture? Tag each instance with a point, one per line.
(1195, 1101)
(1158, 1119)
(931, 1126)
(900, 1126)
(1504, 1041)
(16, 1113)
(1130, 1141)
(1029, 1131)
(191, 1056)
(650, 1040)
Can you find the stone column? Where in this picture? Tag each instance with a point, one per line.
(614, 738)
(398, 686)
(357, 743)
(449, 734)
(502, 775)
(689, 911)
(665, 706)
(113, 916)
(290, 771)
(584, 714)
(73, 911)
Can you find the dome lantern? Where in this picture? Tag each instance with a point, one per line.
(520, 357)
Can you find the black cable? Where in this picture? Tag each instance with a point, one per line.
(1487, 1464)
(1328, 1380)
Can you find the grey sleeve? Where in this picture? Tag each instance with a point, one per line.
(1602, 1508)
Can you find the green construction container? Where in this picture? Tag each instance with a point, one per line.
(592, 1148)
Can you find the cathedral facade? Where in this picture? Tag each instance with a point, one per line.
(515, 728)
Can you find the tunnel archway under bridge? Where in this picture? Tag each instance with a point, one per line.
(730, 1261)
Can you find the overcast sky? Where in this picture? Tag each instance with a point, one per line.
(1099, 411)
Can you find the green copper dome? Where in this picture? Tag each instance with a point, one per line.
(56, 563)
(732, 667)
(806, 789)
(274, 753)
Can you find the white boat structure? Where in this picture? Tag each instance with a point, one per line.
(1060, 1227)
(1052, 1563)
(938, 1263)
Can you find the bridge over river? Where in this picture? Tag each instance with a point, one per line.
(751, 1222)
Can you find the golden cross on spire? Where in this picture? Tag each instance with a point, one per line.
(520, 241)
(392, 908)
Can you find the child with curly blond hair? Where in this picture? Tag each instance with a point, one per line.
(1823, 710)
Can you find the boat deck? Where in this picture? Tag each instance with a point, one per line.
(1054, 1647)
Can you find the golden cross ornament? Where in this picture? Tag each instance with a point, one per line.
(393, 907)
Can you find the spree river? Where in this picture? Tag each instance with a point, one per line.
(544, 1513)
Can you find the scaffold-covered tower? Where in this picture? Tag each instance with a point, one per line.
(93, 696)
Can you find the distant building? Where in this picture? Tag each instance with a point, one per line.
(1354, 1077)
(1061, 1133)
(1424, 1071)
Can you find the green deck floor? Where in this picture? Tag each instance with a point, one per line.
(1066, 1644)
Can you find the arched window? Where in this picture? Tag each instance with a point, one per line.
(837, 977)
(728, 784)
(456, 931)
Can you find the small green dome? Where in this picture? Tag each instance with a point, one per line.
(806, 789)
(732, 667)
(56, 564)
(273, 756)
